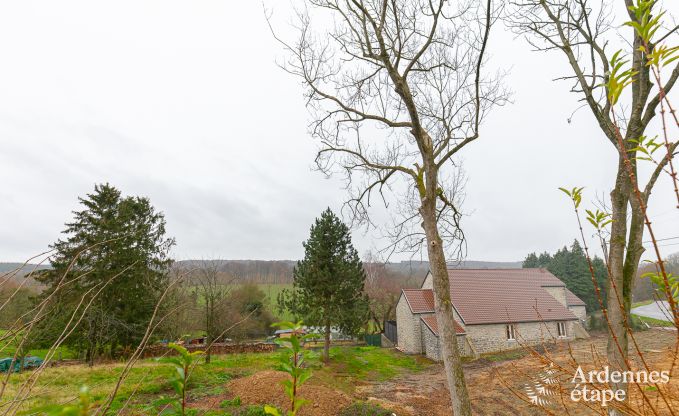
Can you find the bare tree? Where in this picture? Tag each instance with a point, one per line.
(396, 91)
(583, 31)
(383, 288)
(213, 287)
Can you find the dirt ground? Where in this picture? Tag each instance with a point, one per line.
(496, 387)
(491, 383)
(264, 387)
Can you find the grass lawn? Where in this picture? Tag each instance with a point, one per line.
(148, 380)
(653, 321)
(642, 303)
(272, 291)
(8, 348)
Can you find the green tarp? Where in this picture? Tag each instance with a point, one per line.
(374, 340)
(29, 362)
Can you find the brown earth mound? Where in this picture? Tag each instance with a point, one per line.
(265, 387)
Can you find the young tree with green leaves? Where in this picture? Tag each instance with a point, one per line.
(624, 90)
(109, 271)
(328, 283)
(292, 363)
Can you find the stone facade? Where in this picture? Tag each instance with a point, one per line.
(580, 311)
(493, 337)
(558, 293)
(415, 337)
(431, 345)
(408, 328)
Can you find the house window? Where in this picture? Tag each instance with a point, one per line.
(561, 328)
(510, 332)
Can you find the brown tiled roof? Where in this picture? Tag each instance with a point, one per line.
(420, 300)
(486, 296)
(548, 279)
(573, 300)
(430, 321)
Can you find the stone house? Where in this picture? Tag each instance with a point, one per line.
(495, 310)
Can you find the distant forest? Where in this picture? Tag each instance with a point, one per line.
(280, 271)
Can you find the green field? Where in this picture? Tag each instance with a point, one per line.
(148, 381)
(8, 348)
(272, 291)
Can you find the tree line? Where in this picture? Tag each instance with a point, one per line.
(111, 277)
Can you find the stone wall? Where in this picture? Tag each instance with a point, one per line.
(408, 328)
(432, 345)
(428, 282)
(558, 293)
(493, 337)
(579, 311)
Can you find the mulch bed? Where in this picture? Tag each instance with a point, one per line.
(264, 387)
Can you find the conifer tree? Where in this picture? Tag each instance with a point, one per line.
(328, 283)
(120, 260)
(570, 266)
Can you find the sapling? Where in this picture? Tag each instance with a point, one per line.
(293, 364)
(179, 381)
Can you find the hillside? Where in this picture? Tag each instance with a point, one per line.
(280, 271)
(8, 268)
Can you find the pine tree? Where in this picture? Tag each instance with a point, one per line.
(116, 256)
(329, 281)
(531, 261)
(571, 267)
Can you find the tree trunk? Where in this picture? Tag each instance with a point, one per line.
(623, 259)
(444, 311)
(326, 347)
(209, 315)
(617, 348)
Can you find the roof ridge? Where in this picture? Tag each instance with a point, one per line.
(496, 268)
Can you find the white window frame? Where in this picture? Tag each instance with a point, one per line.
(561, 329)
(510, 332)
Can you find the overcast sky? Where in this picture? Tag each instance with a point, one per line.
(182, 101)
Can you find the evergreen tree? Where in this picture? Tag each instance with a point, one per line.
(115, 259)
(531, 261)
(328, 282)
(571, 267)
(534, 261)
